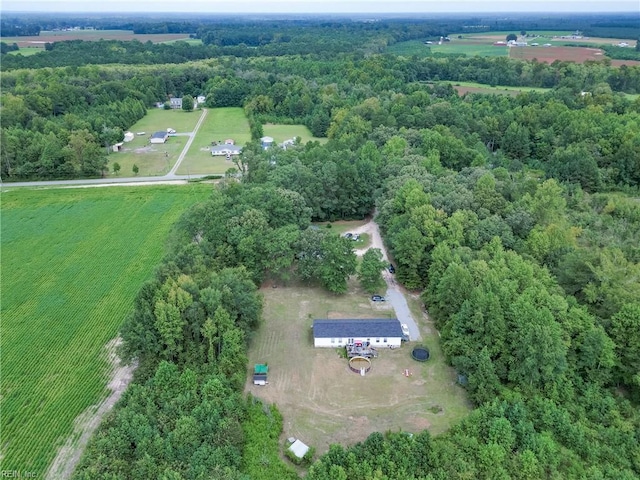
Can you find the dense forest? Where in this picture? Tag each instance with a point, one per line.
(515, 218)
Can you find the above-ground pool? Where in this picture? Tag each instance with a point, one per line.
(421, 354)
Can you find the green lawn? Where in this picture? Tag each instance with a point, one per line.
(280, 133)
(219, 125)
(72, 262)
(151, 159)
(489, 87)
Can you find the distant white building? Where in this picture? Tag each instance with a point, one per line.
(159, 137)
(266, 142)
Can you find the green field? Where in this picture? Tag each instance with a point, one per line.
(500, 88)
(151, 159)
(454, 47)
(72, 262)
(219, 125)
(27, 52)
(280, 133)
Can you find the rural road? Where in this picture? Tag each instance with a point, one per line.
(170, 177)
(394, 295)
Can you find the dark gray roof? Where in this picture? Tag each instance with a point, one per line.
(159, 135)
(361, 328)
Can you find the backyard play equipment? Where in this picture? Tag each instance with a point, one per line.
(421, 354)
(360, 365)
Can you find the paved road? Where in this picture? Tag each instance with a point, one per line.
(170, 177)
(395, 294)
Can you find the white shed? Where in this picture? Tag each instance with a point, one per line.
(299, 449)
(377, 332)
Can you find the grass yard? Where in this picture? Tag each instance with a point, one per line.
(151, 159)
(219, 125)
(473, 87)
(321, 400)
(73, 261)
(280, 133)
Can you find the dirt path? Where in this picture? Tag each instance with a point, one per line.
(69, 455)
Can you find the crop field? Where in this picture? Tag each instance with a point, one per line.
(321, 400)
(73, 261)
(92, 35)
(154, 159)
(219, 125)
(551, 54)
(454, 47)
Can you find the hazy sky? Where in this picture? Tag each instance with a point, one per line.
(316, 6)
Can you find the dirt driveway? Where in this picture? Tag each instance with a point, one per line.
(395, 294)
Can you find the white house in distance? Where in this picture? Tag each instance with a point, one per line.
(226, 149)
(159, 137)
(378, 332)
(266, 142)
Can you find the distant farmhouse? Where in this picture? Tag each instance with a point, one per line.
(377, 332)
(266, 142)
(227, 148)
(175, 103)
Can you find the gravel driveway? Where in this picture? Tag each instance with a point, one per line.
(394, 295)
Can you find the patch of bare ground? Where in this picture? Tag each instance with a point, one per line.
(70, 453)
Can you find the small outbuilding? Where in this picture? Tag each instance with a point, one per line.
(374, 332)
(159, 137)
(299, 449)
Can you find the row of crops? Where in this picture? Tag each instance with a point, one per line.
(72, 263)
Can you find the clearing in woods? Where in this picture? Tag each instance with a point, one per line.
(321, 400)
(76, 259)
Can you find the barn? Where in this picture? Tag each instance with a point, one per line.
(377, 332)
(159, 137)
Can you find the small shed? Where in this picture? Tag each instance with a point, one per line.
(299, 449)
(128, 136)
(117, 147)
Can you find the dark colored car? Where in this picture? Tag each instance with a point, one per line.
(392, 269)
(377, 298)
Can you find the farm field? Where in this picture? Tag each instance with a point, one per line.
(551, 54)
(73, 261)
(151, 159)
(454, 47)
(219, 125)
(92, 35)
(321, 400)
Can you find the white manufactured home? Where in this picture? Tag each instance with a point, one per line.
(376, 332)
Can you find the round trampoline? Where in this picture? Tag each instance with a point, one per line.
(420, 354)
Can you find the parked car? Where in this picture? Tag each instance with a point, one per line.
(355, 237)
(392, 269)
(348, 235)
(377, 298)
(405, 332)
